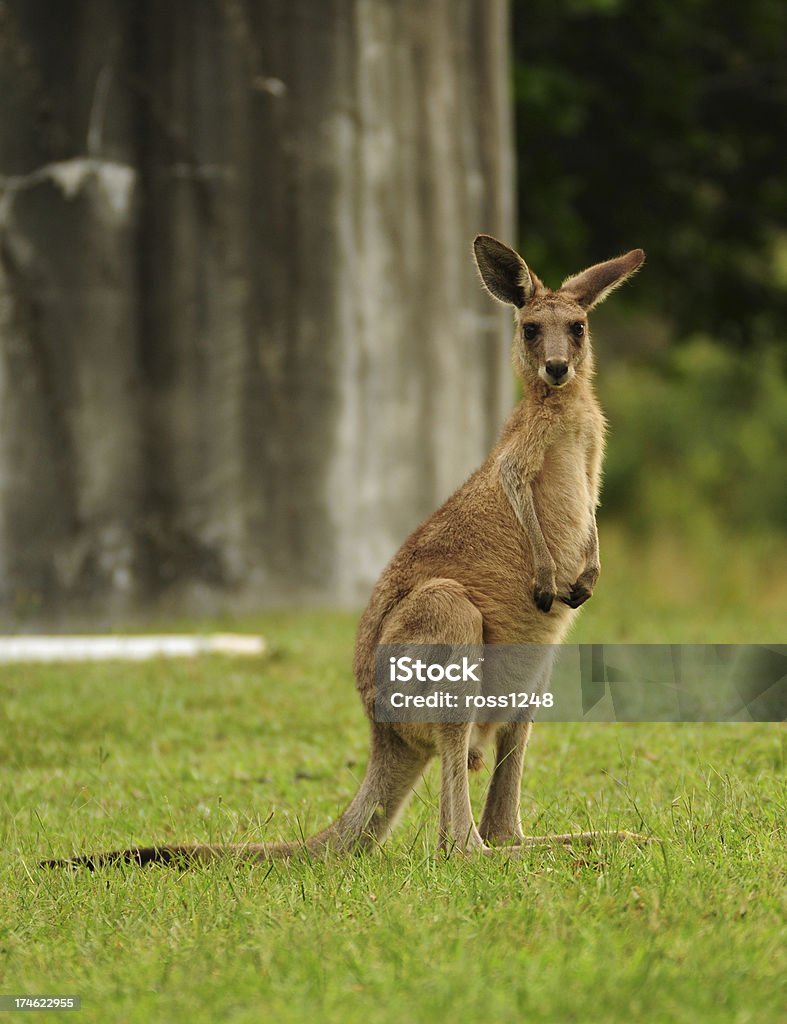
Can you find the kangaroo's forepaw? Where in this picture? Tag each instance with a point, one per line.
(543, 599)
(577, 596)
(544, 587)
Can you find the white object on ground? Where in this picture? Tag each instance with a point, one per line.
(126, 648)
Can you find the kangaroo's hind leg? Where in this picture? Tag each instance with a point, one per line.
(457, 831)
(501, 823)
(501, 820)
(439, 612)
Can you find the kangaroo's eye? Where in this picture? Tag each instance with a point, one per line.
(530, 331)
(578, 329)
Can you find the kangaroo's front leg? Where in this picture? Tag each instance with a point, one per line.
(519, 492)
(457, 827)
(583, 588)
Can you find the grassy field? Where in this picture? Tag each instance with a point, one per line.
(692, 929)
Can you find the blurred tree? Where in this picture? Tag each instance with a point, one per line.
(242, 344)
(641, 122)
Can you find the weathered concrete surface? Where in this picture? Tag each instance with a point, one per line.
(242, 347)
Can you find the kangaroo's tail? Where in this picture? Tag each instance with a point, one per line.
(392, 771)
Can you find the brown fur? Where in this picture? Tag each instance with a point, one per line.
(507, 559)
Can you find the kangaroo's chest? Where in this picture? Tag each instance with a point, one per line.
(564, 479)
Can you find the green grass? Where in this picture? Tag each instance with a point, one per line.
(693, 929)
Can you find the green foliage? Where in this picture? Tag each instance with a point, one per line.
(644, 123)
(699, 439)
(93, 756)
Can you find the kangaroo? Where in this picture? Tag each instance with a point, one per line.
(509, 558)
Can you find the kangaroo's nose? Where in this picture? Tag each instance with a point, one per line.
(557, 368)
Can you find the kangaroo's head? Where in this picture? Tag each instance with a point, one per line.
(552, 341)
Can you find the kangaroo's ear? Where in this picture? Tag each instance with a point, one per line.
(593, 285)
(503, 271)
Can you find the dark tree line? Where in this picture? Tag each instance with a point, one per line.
(641, 122)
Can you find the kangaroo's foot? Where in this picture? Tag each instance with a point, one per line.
(498, 837)
(575, 839)
(473, 846)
